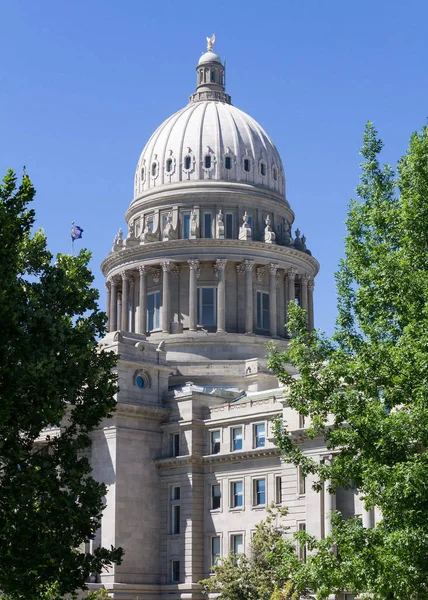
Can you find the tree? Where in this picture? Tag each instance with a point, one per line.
(256, 576)
(366, 388)
(56, 385)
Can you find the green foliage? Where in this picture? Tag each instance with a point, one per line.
(52, 375)
(101, 594)
(258, 575)
(366, 389)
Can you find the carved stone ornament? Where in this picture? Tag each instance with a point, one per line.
(292, 273)
(260, 274)
(143, 270)
(156, 274)
(311, 285)
(169, 233)
(270, 236)
(194, 224)
(118, 241)
(240, 268)
(248, 264)
(220, 226)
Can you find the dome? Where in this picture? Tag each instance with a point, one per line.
(209, 140)
(209, 57)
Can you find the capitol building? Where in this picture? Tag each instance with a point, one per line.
(196, 288)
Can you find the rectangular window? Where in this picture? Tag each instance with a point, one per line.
(215, 550)
(153, 310)
(174, 444)
(228, 162)
(207, 306)
(302, 547)
(263, 311)
(301, 482)
(149, 222)
(175, 493)
(228, 230)
(175, 519)
(236, 438)
(237, 494)
(175, 571)
(215, 496)
(301, 421)
(215, 442)
(278, 490)
(259, 492)
(259, 435)
(250, 221)
(186, 226)
(208, 225)
(237, 544)
(164, 221)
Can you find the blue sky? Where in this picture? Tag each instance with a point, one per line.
(83, 84)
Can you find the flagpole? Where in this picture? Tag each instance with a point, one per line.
(72, 238)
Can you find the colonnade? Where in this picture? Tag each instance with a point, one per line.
(120, 292)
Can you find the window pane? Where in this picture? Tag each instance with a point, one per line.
(229, 226)
(186, 226)
(278, 490)
(238, 544)
(208, 225)
(176, 519)
(215, 496)
(228, 162)
(237, 494)
(215, 550)
(187, 162)
(175, 575)
(260, 436)
(260, 491)
(237, 438)
(207, 313)
(215, 442)
(208, 162)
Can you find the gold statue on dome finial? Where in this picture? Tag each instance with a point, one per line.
(210, 43)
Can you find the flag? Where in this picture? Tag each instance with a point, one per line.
(76, 232)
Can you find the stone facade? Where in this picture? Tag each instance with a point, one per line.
(195, 291)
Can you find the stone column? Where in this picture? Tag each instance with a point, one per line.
(249, 296)
(113, 305)
(166, 269)
(125, 302)
(108, 301)
(272, 300)
(291, 292)
(142, 317)
(304, 295)
(193, 294)
(311, 285)
(221, 295)
(329, 501)
(119, 310)
(131, 303)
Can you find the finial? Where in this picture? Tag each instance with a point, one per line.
(210, 43)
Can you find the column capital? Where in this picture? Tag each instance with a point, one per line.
(221, 263)
(108, 284)
(292, 273)
(311, 284)
(143, 269)
(304, 278)
(273, 267)
(125, 275)
(166, 266)
(193, 264)
(249, 264)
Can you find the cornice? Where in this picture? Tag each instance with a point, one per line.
(180, 461)
(235, 250)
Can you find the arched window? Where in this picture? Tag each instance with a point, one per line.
(154, 169)
(228, 162)
(187, 162)
(263, 169)
(207, 161)
(247, 165)
(275, 173)
(169, 165)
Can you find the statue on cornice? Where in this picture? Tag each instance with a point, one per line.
(194, 224)
(270, 236)
(220, 226)
(245, 232)
(210, 42)
(169, 232)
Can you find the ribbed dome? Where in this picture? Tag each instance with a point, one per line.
(209, 140)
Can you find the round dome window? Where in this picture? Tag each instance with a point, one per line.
(142, 381)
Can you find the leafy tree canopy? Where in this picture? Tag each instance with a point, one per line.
(366, 388)
(54, 376)
(258, 575)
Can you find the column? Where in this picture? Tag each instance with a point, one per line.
(193, 294)
(291, 291)
(329, 501)
(124, 325)
(304, 292)
(311, 285)
(113, 305)
(166, 269)
(249, 296)
(142, 320)
(272, 300)
(368, 518)
(221, 295)
(119, 310)
(108, 294)
(131, 303)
